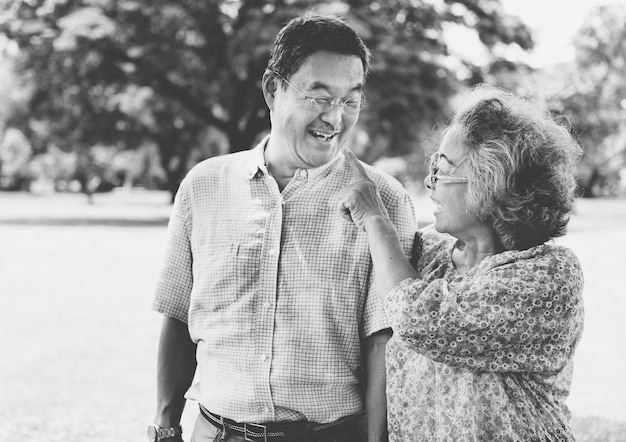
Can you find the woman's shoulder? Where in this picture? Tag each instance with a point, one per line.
(544, 255)
(546, 263)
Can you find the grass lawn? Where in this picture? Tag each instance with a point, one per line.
(78, 339)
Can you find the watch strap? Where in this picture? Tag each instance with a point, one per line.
(165, 433)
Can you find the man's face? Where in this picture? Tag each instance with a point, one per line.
(301, 136)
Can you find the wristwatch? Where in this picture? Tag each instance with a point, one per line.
(156, 433)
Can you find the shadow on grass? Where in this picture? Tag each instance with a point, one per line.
(96, 222)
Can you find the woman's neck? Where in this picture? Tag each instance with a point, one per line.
(470, 251)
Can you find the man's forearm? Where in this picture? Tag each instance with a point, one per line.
(375, 388)
(175, 370)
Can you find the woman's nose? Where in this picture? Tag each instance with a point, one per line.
(428, 182)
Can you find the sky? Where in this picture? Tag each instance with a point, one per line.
(554, 23)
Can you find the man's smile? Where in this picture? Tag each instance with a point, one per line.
(324, 136)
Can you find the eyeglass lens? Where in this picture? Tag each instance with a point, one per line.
(324, 104)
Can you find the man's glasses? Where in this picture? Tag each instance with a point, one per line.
(435, 176)
(321, 104)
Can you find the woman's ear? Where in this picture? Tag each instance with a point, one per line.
(269, 85)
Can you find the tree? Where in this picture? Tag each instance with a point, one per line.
(597, 106)
(590, 92)
(15, 153)
(173, 72)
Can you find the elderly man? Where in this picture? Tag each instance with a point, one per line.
(266, 291)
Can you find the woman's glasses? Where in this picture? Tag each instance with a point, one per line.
(435, 176)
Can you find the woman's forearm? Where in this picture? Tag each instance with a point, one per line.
(391, 266)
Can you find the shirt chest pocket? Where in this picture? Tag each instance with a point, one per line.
(224, 274)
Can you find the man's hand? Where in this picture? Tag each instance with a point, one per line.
(360, 200)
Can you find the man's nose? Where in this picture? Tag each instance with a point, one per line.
(333, 115)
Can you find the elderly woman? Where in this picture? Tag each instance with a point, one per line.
(488, 312)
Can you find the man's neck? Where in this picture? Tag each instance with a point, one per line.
(281, 177)
(278, 168)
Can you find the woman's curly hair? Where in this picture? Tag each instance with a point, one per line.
(521, 166)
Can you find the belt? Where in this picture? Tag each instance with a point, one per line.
(277, 431)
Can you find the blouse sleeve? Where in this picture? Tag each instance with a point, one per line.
(517, 311)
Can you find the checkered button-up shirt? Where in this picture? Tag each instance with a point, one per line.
(276, 287)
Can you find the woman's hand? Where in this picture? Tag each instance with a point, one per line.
(360, 201)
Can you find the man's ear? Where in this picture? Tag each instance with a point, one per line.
(269, 85)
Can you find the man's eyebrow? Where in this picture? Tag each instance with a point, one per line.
(322, 85)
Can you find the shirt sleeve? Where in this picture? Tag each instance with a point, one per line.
(402, 215)
(522, 311)
(173, 290)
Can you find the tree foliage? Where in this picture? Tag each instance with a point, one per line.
(597, 106)
(184, 75)
(591, 93)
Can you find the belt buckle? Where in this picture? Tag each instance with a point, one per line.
(263, 432)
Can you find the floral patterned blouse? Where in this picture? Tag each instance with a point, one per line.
(486, 355)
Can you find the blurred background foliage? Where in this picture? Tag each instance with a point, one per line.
(98, 94)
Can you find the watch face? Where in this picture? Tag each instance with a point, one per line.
(152, 433)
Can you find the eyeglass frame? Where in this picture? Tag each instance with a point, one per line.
(432, 178)
(331, 101)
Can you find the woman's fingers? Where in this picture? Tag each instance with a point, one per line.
(355, 166)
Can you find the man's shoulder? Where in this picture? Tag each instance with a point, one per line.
(384, 179)
(224, 160)
(208, 167)
(389, 187)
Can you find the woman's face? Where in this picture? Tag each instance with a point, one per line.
(448, 196)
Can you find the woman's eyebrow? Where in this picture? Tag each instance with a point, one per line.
(443, 155)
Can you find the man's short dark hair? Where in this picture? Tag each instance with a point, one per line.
(308, 34)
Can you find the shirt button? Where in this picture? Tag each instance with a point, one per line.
(263, 357)
(267, 304)
(266, 409)
(271, 252)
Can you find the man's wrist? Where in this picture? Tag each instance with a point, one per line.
(157, 433)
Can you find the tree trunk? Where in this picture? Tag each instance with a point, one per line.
(589, 186)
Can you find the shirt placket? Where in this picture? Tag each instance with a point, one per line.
(267, 291)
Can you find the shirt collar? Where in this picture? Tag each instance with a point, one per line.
(255, 164)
